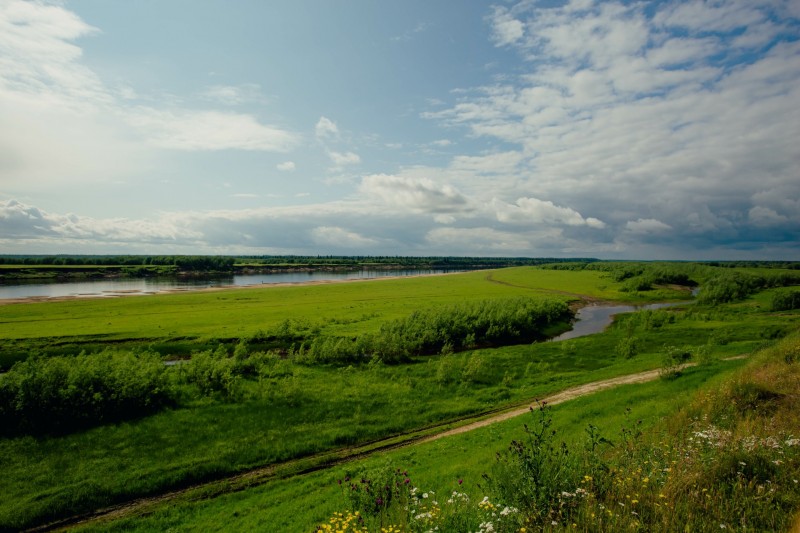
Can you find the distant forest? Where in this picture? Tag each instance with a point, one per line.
(231, 263)
(221, 263)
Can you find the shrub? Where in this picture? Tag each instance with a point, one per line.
(445, 330)
(672, 361)
(63, 394)
(785, 301)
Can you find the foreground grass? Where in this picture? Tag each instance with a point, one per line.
(305, 411)
(722, 454)
(301, 503)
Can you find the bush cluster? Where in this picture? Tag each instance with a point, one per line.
(733, 286)
(61, 394)
(444, 330)
(785, 301)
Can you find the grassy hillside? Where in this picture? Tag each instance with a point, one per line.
(238, 406)
(723, 453)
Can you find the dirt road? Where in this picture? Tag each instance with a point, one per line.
(327, 460)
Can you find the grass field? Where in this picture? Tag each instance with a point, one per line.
(300, 504)
(292, 410)
(176, 324)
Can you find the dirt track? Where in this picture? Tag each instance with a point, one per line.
(323, 461)
(559, 397)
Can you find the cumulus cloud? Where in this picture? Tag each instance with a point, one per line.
(764, 216)
(418, 194)
(535, 211)
(21, 221)
(482, 240)
(51, 102)
(646, 225)
(340, 159)
(661, 120)
(505, 28)
(331, 236)
(626, 129)
(326, 128)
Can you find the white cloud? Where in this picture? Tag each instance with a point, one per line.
(497, 163)
(505, 28)
(535, 211)
(646, 225)
(208, 130)
(659, 133)
(764, 216)
(419, 194)
(326, 128)
(286, 166)
(340, 159)
(331, 236)
(52, 103)
(20, 221)
(480, 240)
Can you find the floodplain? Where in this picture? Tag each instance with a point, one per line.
(287, 383)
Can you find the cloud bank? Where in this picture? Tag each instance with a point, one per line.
(622, 130)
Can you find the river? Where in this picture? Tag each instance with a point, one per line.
(121, 287)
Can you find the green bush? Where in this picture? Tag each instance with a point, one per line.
(63, 394)
(445, 330)
(785, 301)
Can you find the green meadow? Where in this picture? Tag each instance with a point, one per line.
(250, 398)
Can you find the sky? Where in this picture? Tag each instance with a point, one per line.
(609, 129)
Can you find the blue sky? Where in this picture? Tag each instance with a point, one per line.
(649, 130)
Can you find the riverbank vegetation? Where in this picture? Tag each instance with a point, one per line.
(254, 391)
(14, 268)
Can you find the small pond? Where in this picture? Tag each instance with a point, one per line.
(595, 318)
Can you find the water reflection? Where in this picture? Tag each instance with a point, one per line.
(595, 318)
(119, 287)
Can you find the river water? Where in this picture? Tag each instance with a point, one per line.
(120, 287)
(594, 318)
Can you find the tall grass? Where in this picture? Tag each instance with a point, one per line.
(730, 461)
